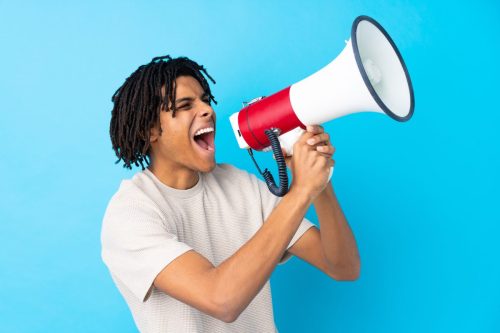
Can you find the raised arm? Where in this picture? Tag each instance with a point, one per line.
(226, 290)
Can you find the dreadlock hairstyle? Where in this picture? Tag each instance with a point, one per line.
(139, 101)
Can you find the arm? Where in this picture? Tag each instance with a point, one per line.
(226, 290)
(333, 248)
(337, 240)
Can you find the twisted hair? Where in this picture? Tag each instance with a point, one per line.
(139, 101)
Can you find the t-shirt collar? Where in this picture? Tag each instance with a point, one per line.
(170, 191)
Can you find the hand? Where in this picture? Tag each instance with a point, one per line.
(311, 161)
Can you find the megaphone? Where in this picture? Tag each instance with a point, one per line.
(368, 75)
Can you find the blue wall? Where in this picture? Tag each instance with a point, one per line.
(420, 196)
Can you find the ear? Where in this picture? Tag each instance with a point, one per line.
(154, 134)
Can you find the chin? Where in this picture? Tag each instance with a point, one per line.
(207, 167)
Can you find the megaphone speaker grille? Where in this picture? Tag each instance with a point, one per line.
(382, 68)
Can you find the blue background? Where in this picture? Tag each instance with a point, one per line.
(421, 197)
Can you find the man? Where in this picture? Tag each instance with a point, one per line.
(191, 244)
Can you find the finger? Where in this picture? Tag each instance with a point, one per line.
(329, 149)
(323, 137)
(315, 129)
(325, 161)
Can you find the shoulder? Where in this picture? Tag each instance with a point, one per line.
(133, 200)
(232, 183)
(227, 173)
(132, 190)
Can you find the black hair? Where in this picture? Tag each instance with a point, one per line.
(139, 101)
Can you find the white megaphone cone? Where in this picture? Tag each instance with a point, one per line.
(368, 75)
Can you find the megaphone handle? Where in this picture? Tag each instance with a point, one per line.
(288, 139)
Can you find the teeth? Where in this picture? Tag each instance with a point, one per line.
(204, 130)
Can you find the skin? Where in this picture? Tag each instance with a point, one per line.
(176, 158)
(226, 290)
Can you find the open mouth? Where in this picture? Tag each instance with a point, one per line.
(205, 138)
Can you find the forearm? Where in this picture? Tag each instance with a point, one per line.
(337, 239)
(241, 276)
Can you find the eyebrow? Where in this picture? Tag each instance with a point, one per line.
(189, 99)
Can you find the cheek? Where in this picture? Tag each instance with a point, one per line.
(175, 137)
(176, 141)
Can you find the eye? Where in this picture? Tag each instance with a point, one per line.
(184, 107)
(207, 100)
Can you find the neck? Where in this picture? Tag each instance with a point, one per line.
(178, 178)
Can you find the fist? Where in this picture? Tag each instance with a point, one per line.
(311, 161)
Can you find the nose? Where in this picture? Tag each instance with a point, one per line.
(206, 111)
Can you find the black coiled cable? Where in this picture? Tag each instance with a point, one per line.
(280, 160)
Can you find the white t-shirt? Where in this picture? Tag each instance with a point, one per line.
(148, 224)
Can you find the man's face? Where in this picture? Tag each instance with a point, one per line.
(176, 146)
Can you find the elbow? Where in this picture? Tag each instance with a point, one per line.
(225, 311)
(227, 314)
(346, 273)
(223, 305)
(347, 277)
(230, 318)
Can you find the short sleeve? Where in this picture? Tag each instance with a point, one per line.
(136, 245)
(303, 227)
(269, 202)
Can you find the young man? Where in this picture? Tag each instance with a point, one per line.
(191, 244)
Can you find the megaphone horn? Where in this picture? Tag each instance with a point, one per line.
(368, 75)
